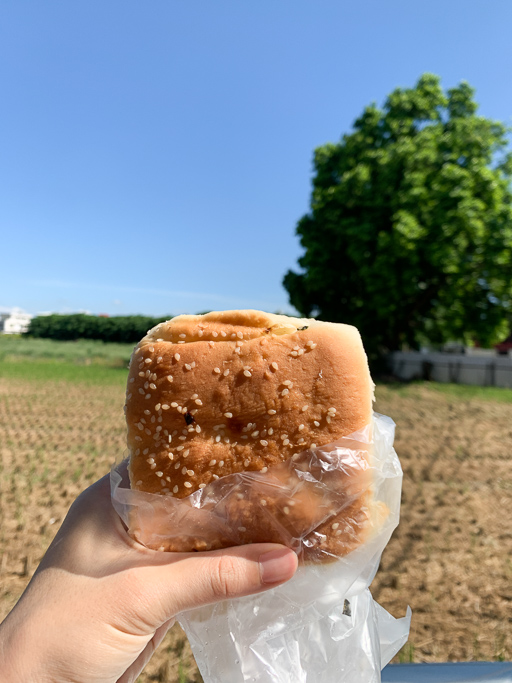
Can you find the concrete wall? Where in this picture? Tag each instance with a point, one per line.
(450, 367)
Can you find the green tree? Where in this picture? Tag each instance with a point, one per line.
(409, 236)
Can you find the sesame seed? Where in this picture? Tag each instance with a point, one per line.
(286, 510)
(335, 525)
(287, 383)
(181, 341)
(177, 356)
(263, 502)
(332, 410)
(221, 463)
(183, 336)
(150, 461)
(198, 402)
(193, 397)
(316, 423)
(201, 486)
(174, 404)
(211, 344)
(328, 419)
(187, 484)
(242, 437)
(141, 427)
(304, 408)
(138, 483)
(237, 350)
(313, 445)
(274, 366)
(198, 428)
(158, 406)
(270, 431)
(239, 344)
(185, 453)
(191, 429)
(225, 373)
(141, 391)
(242, 528)
(170, 456)
(146, 385)
(228, 415)
(300, 352)
(165, 406)
(239, 335)
(132, 380)
(184, 470)
(217, 370)
(148, 396)
(294, 354)
(247, 463)
(338, 533)
(159, 474)
(286, 442)
(188, 366)
(159, 428)
(212, 463)
(180, 448)
(159, 359)
(190, 473)
(254, 434)
(222, 334)
(215, 334)
(217, 438)
(177, 465)
(147, 360)
(144, 452)
(215, 476)
(175, 489)
(153, 466)
(285, 392)
(301, 441)
(216, 427)
(141, 374)
(271, 412)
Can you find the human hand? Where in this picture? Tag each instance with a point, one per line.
(100, 603)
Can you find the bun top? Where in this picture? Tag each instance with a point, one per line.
(232, 391)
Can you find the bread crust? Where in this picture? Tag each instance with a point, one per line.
(236, 391)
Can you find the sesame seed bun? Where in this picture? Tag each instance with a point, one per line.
(236, 391)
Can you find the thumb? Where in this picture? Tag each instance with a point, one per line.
(208, 577)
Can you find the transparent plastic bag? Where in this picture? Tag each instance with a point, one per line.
(323, 624)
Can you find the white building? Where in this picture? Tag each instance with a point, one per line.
(15, 322)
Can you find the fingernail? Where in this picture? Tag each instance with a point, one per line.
(277, 566)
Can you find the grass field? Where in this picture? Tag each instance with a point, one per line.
(61, 427)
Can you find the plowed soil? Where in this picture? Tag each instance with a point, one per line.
(450, 559)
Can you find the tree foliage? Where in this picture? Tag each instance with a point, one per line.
(409, 236)
(124, 329)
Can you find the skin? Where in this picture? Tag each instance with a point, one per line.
(100, 603)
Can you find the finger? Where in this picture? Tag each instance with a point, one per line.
(208, 577)
(131, 674)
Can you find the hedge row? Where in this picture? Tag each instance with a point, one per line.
(127, 329)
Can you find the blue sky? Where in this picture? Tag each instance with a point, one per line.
(155, 157)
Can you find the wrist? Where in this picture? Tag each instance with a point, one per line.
(19, 656)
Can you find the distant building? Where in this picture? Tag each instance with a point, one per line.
(15, 322)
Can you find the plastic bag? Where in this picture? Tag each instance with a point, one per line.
(323, 624)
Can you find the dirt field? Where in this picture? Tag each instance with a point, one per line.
(450, 559)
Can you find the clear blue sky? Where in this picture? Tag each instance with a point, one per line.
(156, 156)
